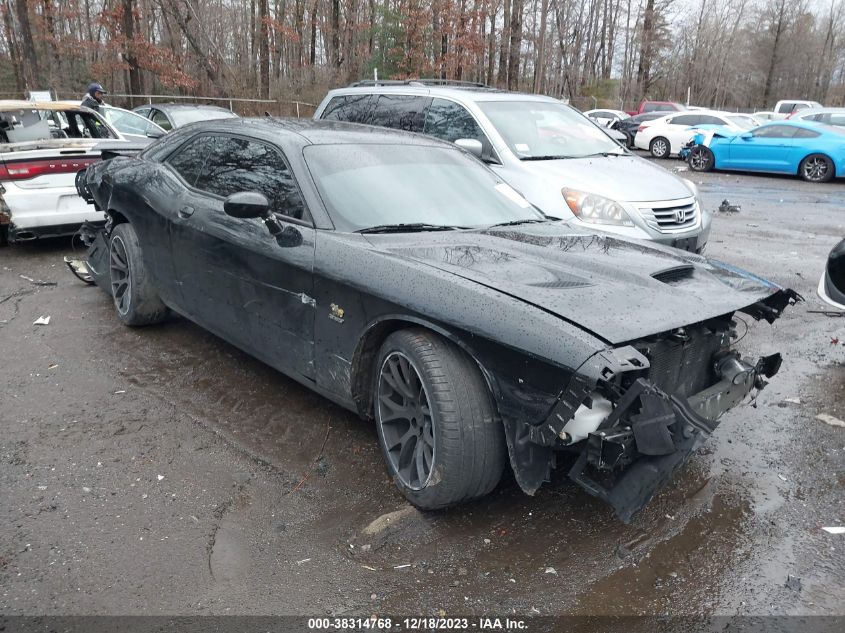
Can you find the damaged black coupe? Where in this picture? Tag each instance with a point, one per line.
(402, 279)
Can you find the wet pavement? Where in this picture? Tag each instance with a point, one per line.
(162, 471)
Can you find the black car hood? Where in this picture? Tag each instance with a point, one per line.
(619, 290)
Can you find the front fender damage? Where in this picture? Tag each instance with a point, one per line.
(664, 396)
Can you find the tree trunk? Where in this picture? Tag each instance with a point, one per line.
(14, 54)
(515, 44)
(335, 48)
(644, 66)
(128, 27)
(502, 76)
(264, 49)
(31, 72)
(540, 64)
(773, 60)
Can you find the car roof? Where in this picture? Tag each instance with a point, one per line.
(318, 132)
(458, 93)
(11, 104)
(182, 106)
(806, 111)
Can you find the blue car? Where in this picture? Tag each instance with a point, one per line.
(812, 151)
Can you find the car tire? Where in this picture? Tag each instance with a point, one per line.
(440, 435)
(701, 158)
(136, 301)
(660, 147)
(816, 168)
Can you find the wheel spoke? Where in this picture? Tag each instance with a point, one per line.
(405, 421)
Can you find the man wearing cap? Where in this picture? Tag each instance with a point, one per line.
(94, 97)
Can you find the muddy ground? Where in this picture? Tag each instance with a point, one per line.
(162, 471)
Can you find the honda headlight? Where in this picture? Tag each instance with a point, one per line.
(594, 209)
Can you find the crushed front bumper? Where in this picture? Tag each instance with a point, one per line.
(637, 449)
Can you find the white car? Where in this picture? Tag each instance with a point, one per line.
(42, 147)
(664, 137)
(132, 125)
(830, 116)
(606, 118)
(765, 115)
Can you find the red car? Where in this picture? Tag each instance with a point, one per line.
(658, 106)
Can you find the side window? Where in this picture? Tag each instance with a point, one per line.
(775, 131)
(144, 112)
(350, 108)
(706, 119)
(189, 159)
(686, 119)
(401, 112)
(159, 118)
(450, 121)
(802, 133)
(786, 108)
(836, 119)
(237, 164)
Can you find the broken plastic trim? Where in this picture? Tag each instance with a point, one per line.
(651, 434)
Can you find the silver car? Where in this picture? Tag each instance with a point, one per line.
(556, 157)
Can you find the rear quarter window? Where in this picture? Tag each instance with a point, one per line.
(350, 108)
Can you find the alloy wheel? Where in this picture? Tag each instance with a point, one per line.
(121, 282)
(815, 169)
(659, 148)
(405, 420)
(699, 159)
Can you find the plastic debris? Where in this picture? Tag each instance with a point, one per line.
(727, 207)
(402, 566)
(782, 478)
(42, 320)
(829, 419)
(793, 400)
(38, 282)
(551, 570)
(304, 560)
(834, 530)
(159, 477)
(793, 582)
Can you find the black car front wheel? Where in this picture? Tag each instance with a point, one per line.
(135, 299)
(816, 168)
(438, 429)
(701, 158)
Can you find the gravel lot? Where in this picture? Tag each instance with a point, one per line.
(162, 471)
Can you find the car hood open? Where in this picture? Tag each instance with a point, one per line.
(618, 290)
(624, 178)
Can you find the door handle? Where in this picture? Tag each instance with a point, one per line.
(186, 212)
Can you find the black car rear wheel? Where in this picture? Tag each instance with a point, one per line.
(438, 429)
(135, 300)
(701, 158)
(816, 168)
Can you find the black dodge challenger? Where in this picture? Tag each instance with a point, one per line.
(402, 279)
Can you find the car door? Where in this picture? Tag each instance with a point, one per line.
(765, 148)
(237, 279)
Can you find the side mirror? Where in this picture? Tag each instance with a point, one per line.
(154, 134)
(746, 136)
(471, 145)
(246, 204)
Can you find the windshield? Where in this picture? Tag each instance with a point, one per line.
(183, 116)
(744, 122)
(127, 122)
(365, 186)
(537, 130)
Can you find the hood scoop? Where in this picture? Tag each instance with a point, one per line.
(675, 274)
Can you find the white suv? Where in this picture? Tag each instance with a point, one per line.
(42, 147)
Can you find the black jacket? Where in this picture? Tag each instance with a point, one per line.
(91, 102)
